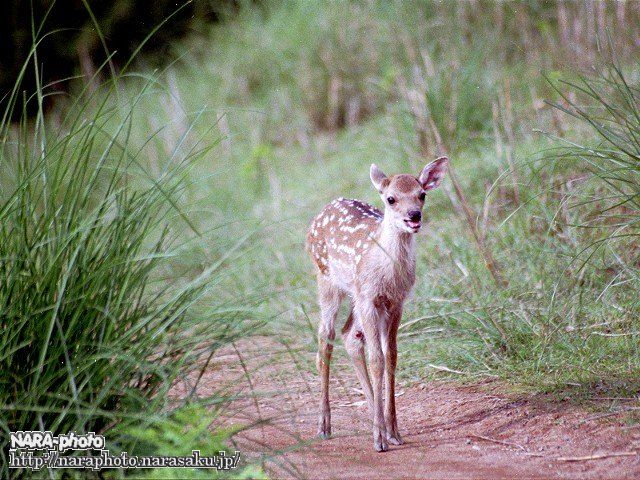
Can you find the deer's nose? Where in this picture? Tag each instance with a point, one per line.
(415, 215)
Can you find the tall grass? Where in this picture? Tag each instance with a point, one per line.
(322, 68)
(609, 105)
(568, 317)
(103, 304)
(466, 77)
(309, 101)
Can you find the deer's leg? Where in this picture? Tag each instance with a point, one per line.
(329, 298)
(390, 348)
(354, 344)
(372, 318)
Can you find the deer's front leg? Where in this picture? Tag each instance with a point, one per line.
(390, 347)
(329, 299)
(371, 326)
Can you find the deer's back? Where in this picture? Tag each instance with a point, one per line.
(340, 235)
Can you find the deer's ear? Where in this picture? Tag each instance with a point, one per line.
(378, 178)
(432, 175)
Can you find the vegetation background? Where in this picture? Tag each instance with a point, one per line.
(168, 207)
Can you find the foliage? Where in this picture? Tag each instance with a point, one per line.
(610, 106)
(105, 301)
(569, 315)
(304, 97)
(186, 429)
(476, 90)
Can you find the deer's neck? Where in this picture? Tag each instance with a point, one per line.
(398, 245)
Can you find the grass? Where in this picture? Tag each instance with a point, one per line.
(186, 429)
(272, 114)
(107, 299)
(298, 135)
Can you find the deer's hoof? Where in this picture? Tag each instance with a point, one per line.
(324, 427)
(381, 446)
(395, 439)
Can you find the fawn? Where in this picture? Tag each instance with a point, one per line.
(369, 256)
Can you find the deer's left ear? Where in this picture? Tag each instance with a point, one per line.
(432, 175)
(378, 178)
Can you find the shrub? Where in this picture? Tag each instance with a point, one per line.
(609, 105)
(185, 430)
(99, 316)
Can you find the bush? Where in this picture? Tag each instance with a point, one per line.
(185, 430)
(609, 105)
(99, 316)
(568, 317)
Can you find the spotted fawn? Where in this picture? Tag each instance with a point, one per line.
(369, 256)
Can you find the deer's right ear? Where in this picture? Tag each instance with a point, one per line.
(432, 175)
(378, 178)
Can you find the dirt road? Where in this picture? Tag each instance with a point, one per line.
(450, 431)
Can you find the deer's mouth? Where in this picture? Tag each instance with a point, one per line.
(414, 226)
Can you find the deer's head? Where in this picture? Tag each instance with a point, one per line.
(404, 195)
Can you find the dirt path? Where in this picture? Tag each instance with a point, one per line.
(450, 431)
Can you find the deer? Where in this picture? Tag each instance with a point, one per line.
(369, 256)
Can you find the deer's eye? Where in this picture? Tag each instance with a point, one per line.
(421, 196)
(391, 200)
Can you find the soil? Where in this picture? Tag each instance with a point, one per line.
(450, 430)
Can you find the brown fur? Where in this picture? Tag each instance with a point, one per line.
(341, 231)
(368, 256)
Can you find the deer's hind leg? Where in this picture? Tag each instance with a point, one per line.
(354, 344)
(329, 297)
